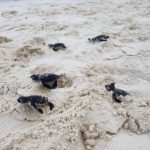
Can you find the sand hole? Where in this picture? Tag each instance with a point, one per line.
(65, 81)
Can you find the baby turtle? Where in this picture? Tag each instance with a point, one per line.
(48, 80)
(99, 38)
(34, 100)
(57, 46)
(116, 92)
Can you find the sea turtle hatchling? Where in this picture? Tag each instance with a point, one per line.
(99, 38)
(48, 80)
(116, 92)
(57, 46)
(35, 100)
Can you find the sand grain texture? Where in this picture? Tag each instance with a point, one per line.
(85, 117)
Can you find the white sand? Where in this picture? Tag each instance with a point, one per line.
(85, 116)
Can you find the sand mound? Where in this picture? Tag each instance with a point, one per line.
(27, 52)
(90, 135)
(138, 121)
(4, 39)
(64, 81)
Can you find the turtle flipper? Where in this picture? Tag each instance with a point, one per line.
(51, 105)
(55, 49)
(124, 93)
(114, 96)
(40, 110)
(36, 108)
(64, 47)
(46, 85)
(121, 92)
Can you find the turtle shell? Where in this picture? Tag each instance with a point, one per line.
(47, 77)
(59, 45)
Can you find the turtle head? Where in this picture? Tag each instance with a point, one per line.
(107, 36)
(110, 87)
(45, 98)
(92, 40)
(35, 77)
(50, 45)
(22, 100)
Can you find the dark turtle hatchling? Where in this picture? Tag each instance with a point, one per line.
(34, 100)
(57, 46)
(116, 92)
(99, 38)
(48, 80)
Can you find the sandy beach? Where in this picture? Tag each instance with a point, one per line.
(85, 117)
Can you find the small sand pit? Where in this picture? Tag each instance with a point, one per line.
(64, 81)
(27, 52)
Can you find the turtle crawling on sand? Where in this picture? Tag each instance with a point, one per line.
(34, 100)
(116, 92)
(57, 46)
(48, 80)
(99, 38)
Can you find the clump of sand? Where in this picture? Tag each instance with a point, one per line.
(135, 120)
(26, 52)
(90, 135)
(4, 39)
